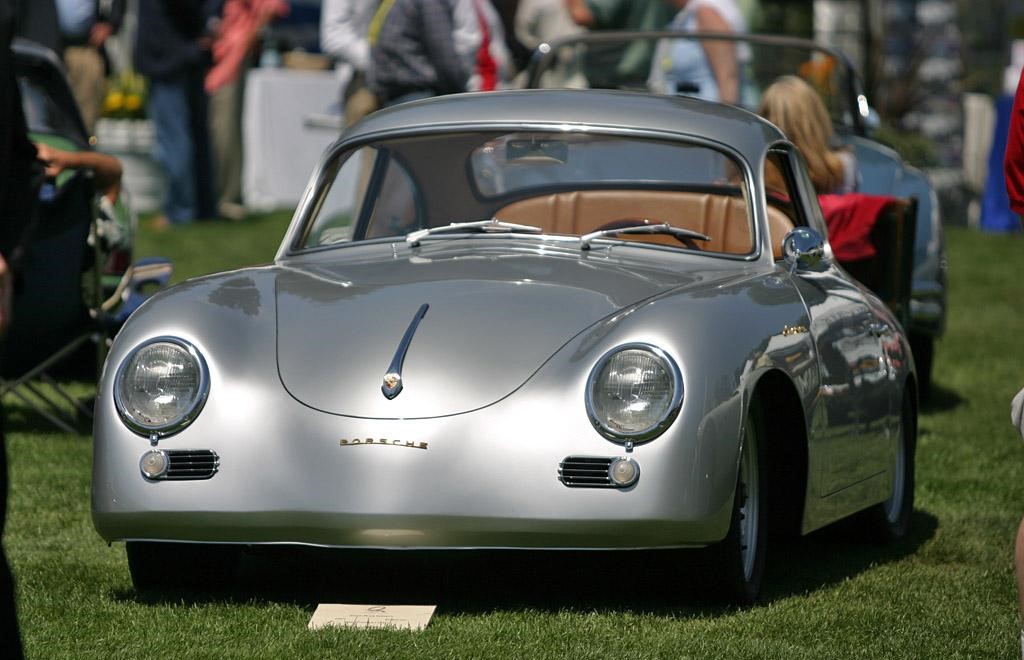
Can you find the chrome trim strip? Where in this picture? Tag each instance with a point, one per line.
(392, 385)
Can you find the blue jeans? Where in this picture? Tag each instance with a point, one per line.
(178, 108)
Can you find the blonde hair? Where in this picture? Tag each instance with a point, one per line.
(795, 107)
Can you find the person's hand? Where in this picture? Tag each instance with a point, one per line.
(580, 13)
(6, 296)
(1017, 412)
(53, 159)
(99, 33)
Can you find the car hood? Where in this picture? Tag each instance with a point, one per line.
(491, 322)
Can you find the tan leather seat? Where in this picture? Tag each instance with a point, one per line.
(721, 217)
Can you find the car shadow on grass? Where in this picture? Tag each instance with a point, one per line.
(836, 553)
(472, 582)
(940, 399)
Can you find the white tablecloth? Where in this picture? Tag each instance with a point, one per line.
(285, 131)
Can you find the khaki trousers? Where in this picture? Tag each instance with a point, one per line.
(87, 77)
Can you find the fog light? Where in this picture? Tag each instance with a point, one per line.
(153, 464)
(624, 472)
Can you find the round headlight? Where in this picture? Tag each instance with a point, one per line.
(161, 386)
(634, 393)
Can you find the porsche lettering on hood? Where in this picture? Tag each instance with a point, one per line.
(338, 331)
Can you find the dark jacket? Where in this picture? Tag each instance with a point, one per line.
(19, 169)
(415, 52)
(167, 41)
(37, 20)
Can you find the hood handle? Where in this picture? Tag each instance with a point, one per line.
(392, 385)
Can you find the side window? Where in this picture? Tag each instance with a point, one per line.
(368, 185)
(781, 197)
(339, 209)
(790, 197)
(815, 219)
(394, 201)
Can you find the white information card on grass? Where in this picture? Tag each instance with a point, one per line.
(397, 617)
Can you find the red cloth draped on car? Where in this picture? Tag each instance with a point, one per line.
(850, 218)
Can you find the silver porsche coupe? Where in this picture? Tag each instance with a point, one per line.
(535, 319)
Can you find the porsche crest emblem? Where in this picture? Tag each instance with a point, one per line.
(392, 384)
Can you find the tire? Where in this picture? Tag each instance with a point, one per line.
(923, 348)
(205, 567)
(737, 563)
(889, 521)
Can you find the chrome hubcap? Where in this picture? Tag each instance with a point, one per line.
(749, 490)
(894, 505)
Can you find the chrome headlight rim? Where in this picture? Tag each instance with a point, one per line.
(183, 420)
(666, 419)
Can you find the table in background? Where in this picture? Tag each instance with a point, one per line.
(285, 129)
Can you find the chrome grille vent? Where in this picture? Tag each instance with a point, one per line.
(585, 472)
(185, 464)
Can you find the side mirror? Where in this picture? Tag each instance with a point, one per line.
(803, 249)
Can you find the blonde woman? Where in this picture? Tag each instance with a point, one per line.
(795, 107)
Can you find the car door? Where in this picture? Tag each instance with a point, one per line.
(847, 425)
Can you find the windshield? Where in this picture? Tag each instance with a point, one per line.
(548, 182)
(664, 63)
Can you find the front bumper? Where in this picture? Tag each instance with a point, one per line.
(487, 479)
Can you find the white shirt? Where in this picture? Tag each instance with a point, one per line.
(344, 27)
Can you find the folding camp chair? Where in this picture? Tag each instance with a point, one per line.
(76, 287)
(61, 325)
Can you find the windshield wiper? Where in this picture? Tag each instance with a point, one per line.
(685, 236)
(492, 225)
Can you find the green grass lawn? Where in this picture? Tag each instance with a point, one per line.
(945, 592)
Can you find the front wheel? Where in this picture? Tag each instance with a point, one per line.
(923, 348)
(175, 566)
(889, 521)
(737, 563)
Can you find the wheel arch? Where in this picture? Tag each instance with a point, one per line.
(784, 429)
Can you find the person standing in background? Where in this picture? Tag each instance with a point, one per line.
(492, 67)
(543, 21)
(85, 26)
(707, 69)
(172, 49)
(1017, 419)
(520, 54)
(19, 178)
(344, 35)
(417, 50)
(620, 67)
(233, 49)
(1013, 175)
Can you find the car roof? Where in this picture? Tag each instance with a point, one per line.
(608, 109)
